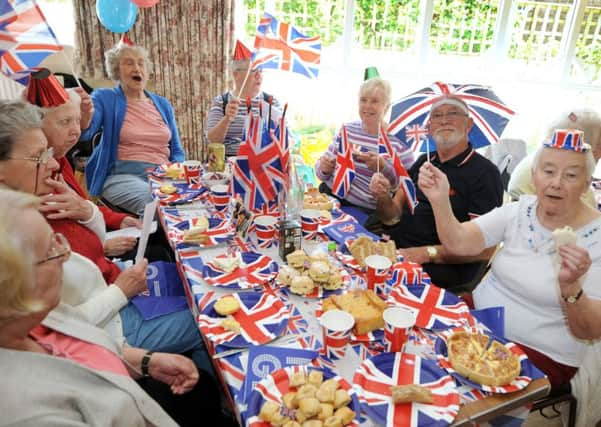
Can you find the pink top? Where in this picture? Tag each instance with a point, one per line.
(87, 354)
(144, 136)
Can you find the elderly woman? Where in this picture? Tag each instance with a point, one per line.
(138, 132)
(82, 376)
(549, 288)
(26, 164)
(374, 101)
(584, 119)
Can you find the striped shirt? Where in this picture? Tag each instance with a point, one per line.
(234, 133)
(359, 194)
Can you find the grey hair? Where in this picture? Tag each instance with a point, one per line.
(584, 119)
(590, 160)
(16, 116)
(113, 56)
(376, 83)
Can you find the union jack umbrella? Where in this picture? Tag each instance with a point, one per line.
(375, 376)
(433, 307)
(262, 318)
(257, 270)
(489, 113)
(280, 46)
(344, 172)
(220, 230)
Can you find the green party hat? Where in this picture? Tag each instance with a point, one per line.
(370, 73)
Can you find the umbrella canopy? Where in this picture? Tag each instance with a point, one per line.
(410, 115)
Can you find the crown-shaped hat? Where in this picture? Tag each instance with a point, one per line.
(44, 90)
(370, 73)
(568, 139)
(241, 52)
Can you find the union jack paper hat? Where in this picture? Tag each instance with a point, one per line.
(241, 52)
(568, 139)
(44, 90)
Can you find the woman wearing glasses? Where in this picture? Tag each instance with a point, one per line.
(71, 372)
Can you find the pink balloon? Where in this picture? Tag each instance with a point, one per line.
(144, 3)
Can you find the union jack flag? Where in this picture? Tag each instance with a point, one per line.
(257, 270)
(489, 113)
(25, 38)
(297, 324)
(344, 173)
(405, 182)
(433, 307)
(375, 376)
(262, 318)
(415, 134)
(280, 46)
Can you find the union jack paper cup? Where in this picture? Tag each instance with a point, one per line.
(336, 326)
(378, 267)
(398, 323)
(310, 222)
(265, 227)
(192, 171)
(220, 196)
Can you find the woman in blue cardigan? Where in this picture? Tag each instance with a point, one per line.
(138, 132)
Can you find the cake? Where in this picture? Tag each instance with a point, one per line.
(364, 305)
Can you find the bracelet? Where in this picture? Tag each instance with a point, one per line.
(145, 363)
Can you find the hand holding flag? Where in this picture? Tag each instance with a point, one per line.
(344, 173)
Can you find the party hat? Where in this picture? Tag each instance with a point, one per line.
(568, 139)
(125, 41)
(44, 90)
(370, 73)
(241, 52)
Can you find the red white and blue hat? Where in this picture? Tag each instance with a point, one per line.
(568, 139)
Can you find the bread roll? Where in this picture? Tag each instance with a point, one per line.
(315, 378)
(309, 406)
(565, 235)
(268, 410)
(411, 393)
(298, 379)
(341, 398)
(346, 414)
(333, 421)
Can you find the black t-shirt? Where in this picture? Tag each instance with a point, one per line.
(475, 189)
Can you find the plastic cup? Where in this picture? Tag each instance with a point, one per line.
(378, 267)
(220, 196)
(398, 322)
(336, 326)
(265, 227)
(192, 171)
(310, 222)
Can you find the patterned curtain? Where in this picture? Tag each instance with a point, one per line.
(189, 44)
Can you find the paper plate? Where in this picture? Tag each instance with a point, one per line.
(220, 230)
(161, 170)
(259, 269)
(318, 291)
(376, 375)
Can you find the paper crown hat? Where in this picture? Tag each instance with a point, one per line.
(125, 41)
(44, 90)
(370, 73)
(241, 52)
(568, 139)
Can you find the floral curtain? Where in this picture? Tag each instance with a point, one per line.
(189, 44)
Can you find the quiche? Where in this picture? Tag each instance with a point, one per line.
(482, 361)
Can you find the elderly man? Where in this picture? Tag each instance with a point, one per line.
(225, 122)
(475, 189)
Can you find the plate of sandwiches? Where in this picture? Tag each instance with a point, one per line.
(173, 171)
(202, 231)
(303, 396)
(312, 276)
(483, 361)
(357, 249)
(402, 389)
(243, 319)
(242, 270)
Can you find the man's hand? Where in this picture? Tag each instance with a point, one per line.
(65, 203)
(175, 370)
(130, 221)
(433, 182)
(327, 164)
(416, 254)
(379, 185)
(132, 280)
(86, 108)
(231, 109)
(119, 245)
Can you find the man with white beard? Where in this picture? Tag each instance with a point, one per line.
(475, 189)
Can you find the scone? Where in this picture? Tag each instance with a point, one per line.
(565, 235)
(302, 285)
(168, 189)
(227, 305)
(319, 271)
(297, 258)
(286, 274)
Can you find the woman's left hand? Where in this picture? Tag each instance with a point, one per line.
(119, 245)
(175, 370)
(371, 160)
(130, 221)
(575, 263)
(65, 203)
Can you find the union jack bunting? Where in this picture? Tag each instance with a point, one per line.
(25, 38)
(344, 173)
(262, 318)
(376, 375)
(405, 182)
(489, 113)
(257, 270)
(433, 307)
(280, 46)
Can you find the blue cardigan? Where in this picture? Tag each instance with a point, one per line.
(109, 113)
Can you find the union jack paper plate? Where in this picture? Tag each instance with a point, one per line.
(376, 375)
(220, 230)
(338, 216)
(273, 387)
(258, 269)
(377, 335)
(433, 307)
(521, 381)
(161, 170)
(185, 194)
(262, 317)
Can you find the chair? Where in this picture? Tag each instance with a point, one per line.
(557, 396)
(506, 154)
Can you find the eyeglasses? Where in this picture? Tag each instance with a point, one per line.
(59, 248)
(41, 160)
(450, 116)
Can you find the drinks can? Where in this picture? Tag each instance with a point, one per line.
(216, 156)
(290, 237)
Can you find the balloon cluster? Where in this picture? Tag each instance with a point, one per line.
(119, 16)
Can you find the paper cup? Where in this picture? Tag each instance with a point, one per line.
(309, 222)
(336, 326)
(220, 196)
(265, 227)
(398, 323)
(192, 171)
(378, 267)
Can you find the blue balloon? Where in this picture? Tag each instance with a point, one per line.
(116, 15)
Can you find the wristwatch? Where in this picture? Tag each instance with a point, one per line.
(571, 299)
(432, 252)
(145, 363)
